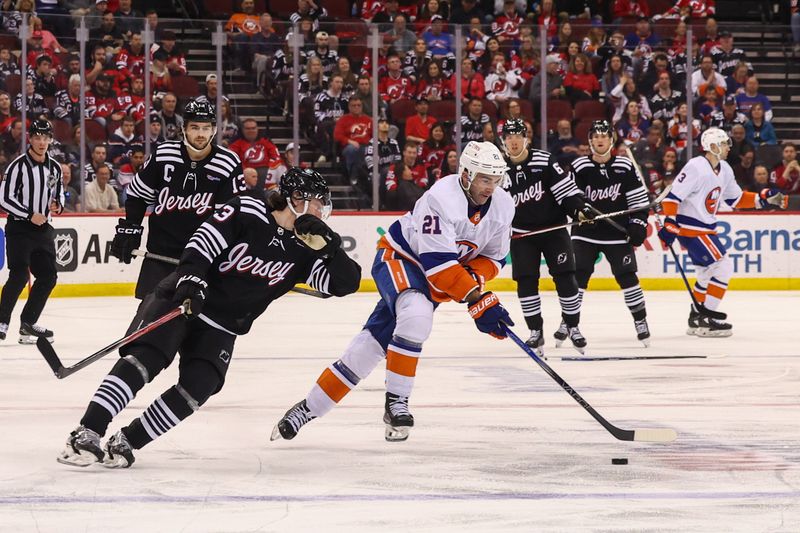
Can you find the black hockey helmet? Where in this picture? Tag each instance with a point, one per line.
(199, 111)
(601, 127)
(305, 184)
(515, 126)
(40, 126)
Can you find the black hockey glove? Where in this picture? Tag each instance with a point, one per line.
(585, 214)
(317, 235)
(637, 231)
(127, 238)
(193, 289)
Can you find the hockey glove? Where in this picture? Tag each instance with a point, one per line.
(772, 198)
(585, 214)
(669, 231)
(127, 238)
(637, 231)
(193, 289)
(488, 315)
(317, 235)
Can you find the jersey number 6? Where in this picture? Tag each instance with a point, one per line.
(430, 224)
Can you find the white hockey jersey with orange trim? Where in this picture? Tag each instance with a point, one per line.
(442, 235)
(696, 195)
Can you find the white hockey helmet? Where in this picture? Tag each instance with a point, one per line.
(714, 136)
(481, 158)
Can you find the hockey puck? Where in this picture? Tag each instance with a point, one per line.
(619, 461)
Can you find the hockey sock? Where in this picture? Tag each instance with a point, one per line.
(532, 311)
(401, 365)
(699, 292)
(715, 293)
(569, 298)
(115, 392)
(359, 360)
(632, 292)
(162, 415)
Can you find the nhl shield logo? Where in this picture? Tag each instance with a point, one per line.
(66, 244)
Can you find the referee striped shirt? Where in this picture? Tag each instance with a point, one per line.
(30, 186)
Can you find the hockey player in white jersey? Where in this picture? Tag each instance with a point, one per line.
(691, 210)
(454, 240)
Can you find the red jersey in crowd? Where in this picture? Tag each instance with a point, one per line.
(417, 127)
(98, 106)
(787, 183)
(366, 65)
(355, 128)
(475, 87)
(582, 82)
(507, 27)
(260, 153)
(431, 157)
(437, 89)
(392, 89)
(419, 175)
(697, 8)
(132, 105)
(631, 8)
(130, 63)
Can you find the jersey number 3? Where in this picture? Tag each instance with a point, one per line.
(430, 225)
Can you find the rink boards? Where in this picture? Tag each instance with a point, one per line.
(763, 248)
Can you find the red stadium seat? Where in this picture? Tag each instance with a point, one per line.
(9, 41)
(94, 131)
(112, 125)
(219, 9)
(62, 131)
(443, 110)
(13, 85)
(589, 110)
(665, 28)
(283, 8)
(581, 132)
(185, 87)
(579, 31)
(490, 108)
(628, 25)
(402, 109)
(558, 109)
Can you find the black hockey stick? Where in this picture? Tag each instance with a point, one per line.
(604, 216)
(61, 371)
(702, 309)
(640, 435)
(173, 261)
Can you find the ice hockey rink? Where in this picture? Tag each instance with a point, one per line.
(498, 445)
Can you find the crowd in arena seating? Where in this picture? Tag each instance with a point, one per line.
(624, 60)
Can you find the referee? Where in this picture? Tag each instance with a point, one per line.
(31, 190)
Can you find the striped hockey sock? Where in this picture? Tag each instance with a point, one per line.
(115, 392)
(715, 292)
(532, 311)
(634, 299)
(402, 357)
(163, 414)
(571, 308)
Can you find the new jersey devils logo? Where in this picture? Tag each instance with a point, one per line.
(358, 130)
(499, 86)
(255, 154)
(712, 200)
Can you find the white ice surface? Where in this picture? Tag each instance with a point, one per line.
(498, 445)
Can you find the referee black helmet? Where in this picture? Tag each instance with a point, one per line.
(40, 126)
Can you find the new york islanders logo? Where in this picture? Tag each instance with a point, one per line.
(466, 250)
(712, 200)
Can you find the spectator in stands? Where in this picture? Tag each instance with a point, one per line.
(729, 116)
(435, 148)
(6, 113)
(261, 48)
(476, 40)
(430, 9)
(745, 170)
(489, 134)
(349, 79)
(548, 17)
(628, 93)
(310, 10)
(352, 132)
(739, 144)
(92, 13)
(678, 128)
(364, 91)
(406, 181)
(329, 106)
(692, 8)
(241, 26)
(649, 151)
(513, 110)
(415, 62)
(386, 16)
(449, 165)
(642, 41)
(527, 58)
(751, 96)
(99, 195)
(176, 61)
(440, 43)
(44, 77)
(580, 83)
(433, 85)
(155, 129)
(250, 177)
(665, 100)
(230, 126)
(786, 176)
(256, 152)
(562, 38)
(735, 82)
(129, 20)
(328, 57)
(678, 44)
(210, 91)
(563, 145)
(171, 121)
(484, 63)
(594, 40)
(472, 83)
(313, 81)
(506, 26)
(759, 130)
(122, 141)
(468, 10)
(101, 101)
(418, 126)
(708, 106)
(8, 65)
(11, 139)
(129, 169)
(726, 57)
(553, 82)
(107, 31)
(152, 24)
(401, 38)
(394, 85)
(649, 80)
(383, 57)
(35, 105)
(49, 42)
(72, 198)
(632, 126)
(160, 77)
(96, 63)
(711, 37)
(667, 170)
(99, 156)
(132, 102)
(388, 152)
(706, 75)
(473, 121)
(630, 8)
(130, 60)
(502, 83)
(760, 179)
(616, 47)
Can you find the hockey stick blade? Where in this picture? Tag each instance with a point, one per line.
(651, 205)
(172, 261)
(623, 358)
(641, 435)
(60, 371)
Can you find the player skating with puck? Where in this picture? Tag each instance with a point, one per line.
(691, 217)
(543, 194)
(454, 240)
(245, 256)
(609, 183)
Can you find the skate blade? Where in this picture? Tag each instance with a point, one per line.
(80, 459)
(559, 342)
(580, 350)
(397, 433)
(121, 462)
(691, 331)
(276, 434)
(645, 342)
(703, 332)
(30, 339)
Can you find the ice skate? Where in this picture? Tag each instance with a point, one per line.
(694, 321)
(536, 342)
(3, 331)
(642, 331)
(119, 453)
(295, 418)
(82, 449)
(561, 334)
(711, 327)
(397, 418)
(577, 338)
(30, 333)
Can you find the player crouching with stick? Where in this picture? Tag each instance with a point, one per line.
(691, 211)
(249, 253)
(455, 239)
